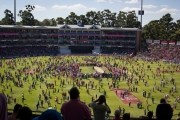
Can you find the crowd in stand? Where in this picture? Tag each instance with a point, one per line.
(27, 31)
(27, 43)
(77, 110)
(167, 53)
(28, 51)
(118, 50)
(118, 33)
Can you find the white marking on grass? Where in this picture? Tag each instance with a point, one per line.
(98, 69)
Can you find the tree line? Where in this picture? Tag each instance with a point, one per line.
(161, 29)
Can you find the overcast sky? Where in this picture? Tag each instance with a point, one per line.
(154, 9)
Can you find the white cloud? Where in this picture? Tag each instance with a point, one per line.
(76, 7)
(164, 5)
(93, 9)
(126, 9)
(39, 8)
(131, 1)
(149, 6)
(164, 10)
(101, 1)
(109, 1)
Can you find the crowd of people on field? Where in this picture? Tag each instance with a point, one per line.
(167, 53)
(75, 109)
(52, 65)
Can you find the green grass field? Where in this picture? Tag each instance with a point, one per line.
(113, 101)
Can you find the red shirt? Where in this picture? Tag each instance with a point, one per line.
(75, 110)
(117, 119)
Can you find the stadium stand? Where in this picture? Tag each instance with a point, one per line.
(67, 39)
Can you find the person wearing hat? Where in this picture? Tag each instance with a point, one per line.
(49, 114)
(117, 115)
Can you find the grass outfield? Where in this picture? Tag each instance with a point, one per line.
(112, 100)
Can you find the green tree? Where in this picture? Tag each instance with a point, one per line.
(37, 22)
(53, 22)
(128, 19)
(27, 17)
(19, 23)
(132, 20)
(8, 19)
(152, 30)
(60, 20)
(166, 23)
(121, 19)
(71, 19)
(91, 17)
(162, 29)
(99, 18)
(46, 22)
(83, 18)
(178, 24)
(178, 35)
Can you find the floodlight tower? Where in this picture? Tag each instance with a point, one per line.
(14, 12)
(141, 12)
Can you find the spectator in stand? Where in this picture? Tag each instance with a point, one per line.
(24, 113)
(126, 116)
(164, 110)
(15, 111)
(3, 107)
(75, 109)
(49, 115)
(117, 115)
(150, 115)
(100, 108)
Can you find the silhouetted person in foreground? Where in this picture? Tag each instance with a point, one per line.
(75, 109)
(100, 108)
(24, 113)
(3, 107)
(164, 110)
(126, 116)
(15, 111)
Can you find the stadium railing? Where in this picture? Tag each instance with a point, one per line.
(38, 113)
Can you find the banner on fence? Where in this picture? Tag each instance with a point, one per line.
(178, 43)
(172, 42)
(148, 41)
(164, 42)
(157, 41)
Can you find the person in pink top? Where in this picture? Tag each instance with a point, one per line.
(75, 109)
(3, 107)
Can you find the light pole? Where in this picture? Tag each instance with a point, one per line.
(141, 12)
(14, 12)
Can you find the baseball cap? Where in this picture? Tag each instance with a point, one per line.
(49, 115)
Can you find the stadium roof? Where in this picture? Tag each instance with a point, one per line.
(97, 27)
